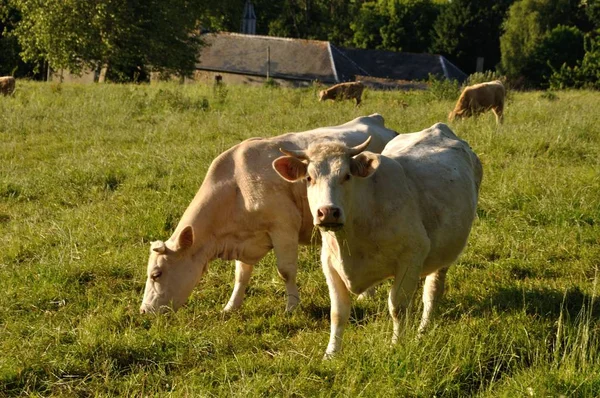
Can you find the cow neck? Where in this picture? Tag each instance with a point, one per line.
(213, 216)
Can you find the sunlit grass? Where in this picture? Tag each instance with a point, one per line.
(89, 175)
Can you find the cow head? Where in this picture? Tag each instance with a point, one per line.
(330, 170)
(322, 95)
(172, 273)
(458, 114)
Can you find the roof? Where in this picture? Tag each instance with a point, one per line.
(247, 54)
(393, 65)
(316, 60)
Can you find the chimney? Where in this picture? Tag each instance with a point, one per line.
(249, 19)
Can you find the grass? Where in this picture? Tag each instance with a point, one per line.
(89, 175)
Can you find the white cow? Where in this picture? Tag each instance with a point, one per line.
(403, 214)
(241, 211)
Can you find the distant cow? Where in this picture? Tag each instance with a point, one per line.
(403, 214)
(351, 90)
(242, 210)
(7, 85)
(480, 98)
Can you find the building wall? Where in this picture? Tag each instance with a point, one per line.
(208, 77)
(64, 76)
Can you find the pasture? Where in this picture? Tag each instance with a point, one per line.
(90, 175)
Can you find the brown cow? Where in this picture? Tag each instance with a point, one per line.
(480, 98)
(7, 85)
(351, 90)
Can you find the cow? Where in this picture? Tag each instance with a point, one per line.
(241, 211)
(351, 90)
(7, 85)
(480, 98)
(403, 214)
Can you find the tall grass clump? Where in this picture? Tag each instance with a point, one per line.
(482, 77)
(443, 89)
(90, 175)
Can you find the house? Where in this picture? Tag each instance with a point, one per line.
(251, 59)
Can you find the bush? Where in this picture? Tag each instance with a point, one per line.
(271, 83)
(443, 89)
(586, 73)
(482, 77)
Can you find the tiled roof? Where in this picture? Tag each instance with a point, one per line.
(392, 65)
(247, 54)
(316, 60)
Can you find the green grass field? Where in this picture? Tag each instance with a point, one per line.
(90, 175)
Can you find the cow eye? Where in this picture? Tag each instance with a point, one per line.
(347, 177)
(308, 178)
(155, 275)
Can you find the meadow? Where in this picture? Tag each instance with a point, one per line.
(90, 175)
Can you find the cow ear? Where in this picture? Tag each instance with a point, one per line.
(186, 238)
(364, 164)
(290, 168)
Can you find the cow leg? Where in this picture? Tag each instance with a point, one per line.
(242, 277)
(402, 293)
(498, 111)
(340, 307)
(433, 290)
(286, 251)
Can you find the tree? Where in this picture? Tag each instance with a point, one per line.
(528, 25)
(73, 34)
(586, 73)
(467, 29)
(396, 25)
(562, 45)
(367, 25)
(408, 26)
(10, 60)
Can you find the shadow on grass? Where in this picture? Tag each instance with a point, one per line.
(543, 302)
(359, 314)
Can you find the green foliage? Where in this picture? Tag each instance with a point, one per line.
(10, 60)
(76, 34)
(395, 25)
(538, 38)
(586, 73)
(408, 25)
(468, 29)
(561, 46)
(482, 77)
(271, 83)
(89, 175)
(549, 95)
(442, 89)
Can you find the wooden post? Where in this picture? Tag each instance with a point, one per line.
(268, 62)
(479, 65)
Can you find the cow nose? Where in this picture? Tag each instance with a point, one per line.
(328, 215)
(142, 310)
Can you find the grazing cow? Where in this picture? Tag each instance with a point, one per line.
(403, 214)
(7, 85)
(241, 211)
(351, 90)
(480, 98)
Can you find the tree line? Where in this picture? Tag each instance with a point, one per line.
(535, 43)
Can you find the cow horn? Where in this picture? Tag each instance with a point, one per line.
(295, 153)
(158, 246)
(359, 148)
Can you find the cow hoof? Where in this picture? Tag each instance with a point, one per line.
(229, 308)
(292, 303)
(329, 356)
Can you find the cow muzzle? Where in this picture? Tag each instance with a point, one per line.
(329, 218)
